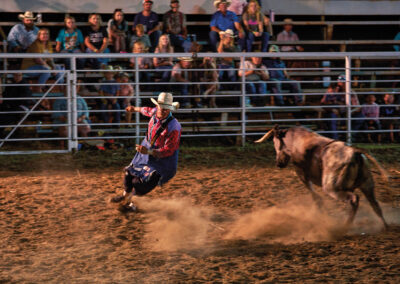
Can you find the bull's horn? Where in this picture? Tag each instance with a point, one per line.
(265, 137)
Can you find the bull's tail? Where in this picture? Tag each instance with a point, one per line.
(383, 172)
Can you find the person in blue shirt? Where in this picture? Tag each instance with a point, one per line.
(223, 20)
(149, 20)
(70, 40)
(22, 35)
(110, 88)
(397, 47)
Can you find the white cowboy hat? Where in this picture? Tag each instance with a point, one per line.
(185, 58)
(228, 32)
(166, 101)
(288, 21)
(27, 15)
(217, 2)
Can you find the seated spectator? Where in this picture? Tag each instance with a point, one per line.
(96, 41)
(224, 20)
(109, 88)
(174, 23)
(141, 37)
(126, 92)
(277, 72)
(149, 20)
(357, 124)
(332, 98)
(181, 74)
(389, 110)
(209, 75)
(62, 116)
(256, 74)
(164, 63)
(11, 92)
(371, 112)
(70, 40)
(117, 31)
(227, 44)
(237, 7)
(253, 22)
(22, 35)
(143, 62)
(287, 35)
(42, 45)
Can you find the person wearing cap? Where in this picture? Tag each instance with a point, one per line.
(174, 23)
(223, 20)
(149, 20)
(156, 159)
(22, 35)
(227, 64)
(182, 74)
(278, 74)
(287, 35)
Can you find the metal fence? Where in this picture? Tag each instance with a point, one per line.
(35, 129)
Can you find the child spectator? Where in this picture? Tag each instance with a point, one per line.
(143, 62)
(253, 21)
(386, 111)
(149, 20)
(117, 31)
(371, 111)
(126, 91)
(109, 88)
(96, 41)
(227, 44)
(140, 36)
(256, 74)
(209, 75)
(22, 35)
(164, 63)
(181, 74)
(70, 40)
(331, 98)
(42, 45)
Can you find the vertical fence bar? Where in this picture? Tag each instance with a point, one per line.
(137, 99)
(243, 100)
(74, 116)
(348, 97)
(69, 107)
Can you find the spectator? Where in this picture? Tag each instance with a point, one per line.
(277, 72)
(371, 112)
(287, 35)
(253, 21)
(227, 44)
(209, 75)
(117, 31)
(389, 110)
(61, 117)
(237, 7)
(397, 37)
(143, 62)
(22, 35)
(174, 23)
(149, 20)
(256, 74)
(109, 88)
(42, 45)
(140, 36)
(181, 74)
(70, 40)
(96, 41)
(359, 123)
(224, 20)
(332, 98)
(164, 63)
(126, 91)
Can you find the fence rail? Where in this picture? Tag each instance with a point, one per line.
(241, 113)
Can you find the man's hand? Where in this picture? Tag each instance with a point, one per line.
(141, 149)
(132, 109)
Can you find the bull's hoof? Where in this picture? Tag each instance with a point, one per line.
(127, 208)
(117, 199)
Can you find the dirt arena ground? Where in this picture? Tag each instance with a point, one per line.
(229, 216)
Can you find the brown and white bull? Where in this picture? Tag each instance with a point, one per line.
(339, 169)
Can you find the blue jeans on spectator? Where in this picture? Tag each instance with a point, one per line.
(331, 125)
(259, 88)
(214, 39)
(97, 62)
(293, 86)
(43, 77)
(178, 40)
(250, 38)
(105, 116)
(184, 90)
(231, 74)
(80, 62)
(165, 75)
(154, 36)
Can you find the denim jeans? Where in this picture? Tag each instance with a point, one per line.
(259, 88)
(250, 38)
(80, 62)
(293, 86)
(43, 77)
(105, 116)
(178, 40)
(97, 62)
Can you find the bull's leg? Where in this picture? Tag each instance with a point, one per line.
(368, 189)
(351, 198)
(315, 196)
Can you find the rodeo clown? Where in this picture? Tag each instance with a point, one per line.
(156, 159)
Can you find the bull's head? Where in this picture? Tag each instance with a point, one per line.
(282, 153)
